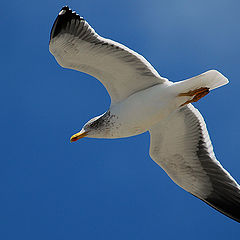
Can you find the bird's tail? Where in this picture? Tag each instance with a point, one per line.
(211, 79)
(193, 89)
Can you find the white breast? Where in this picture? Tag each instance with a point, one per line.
(140, 111)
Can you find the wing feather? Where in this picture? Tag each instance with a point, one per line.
(75, 45)
(182, 147)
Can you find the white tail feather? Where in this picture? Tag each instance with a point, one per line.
(211, 79)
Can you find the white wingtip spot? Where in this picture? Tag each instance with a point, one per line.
(62, 12)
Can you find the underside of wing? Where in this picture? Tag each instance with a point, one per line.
(75, 45)
(182, 147)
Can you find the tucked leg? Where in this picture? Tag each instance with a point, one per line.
(197, 94)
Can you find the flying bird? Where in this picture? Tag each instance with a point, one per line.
(142, 100)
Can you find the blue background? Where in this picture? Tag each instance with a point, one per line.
(108, 189)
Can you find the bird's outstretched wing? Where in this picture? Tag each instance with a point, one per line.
(182, 147)
(76, 45)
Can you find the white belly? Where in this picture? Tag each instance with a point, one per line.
(140, 111)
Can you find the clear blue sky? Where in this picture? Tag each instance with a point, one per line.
(108, 189)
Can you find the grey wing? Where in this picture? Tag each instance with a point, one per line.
(182, 147)
(75, 45)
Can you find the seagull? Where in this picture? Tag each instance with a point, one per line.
(141, 101)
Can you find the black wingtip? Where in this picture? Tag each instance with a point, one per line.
(65, 8)
(226, 207)
(65, 15)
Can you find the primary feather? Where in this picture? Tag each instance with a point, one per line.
(122, 71)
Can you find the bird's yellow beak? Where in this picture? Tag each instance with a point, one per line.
(77, 136)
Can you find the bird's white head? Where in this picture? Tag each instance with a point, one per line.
(97, 127)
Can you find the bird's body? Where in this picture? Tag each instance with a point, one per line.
(142, 100)
(137, 113)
